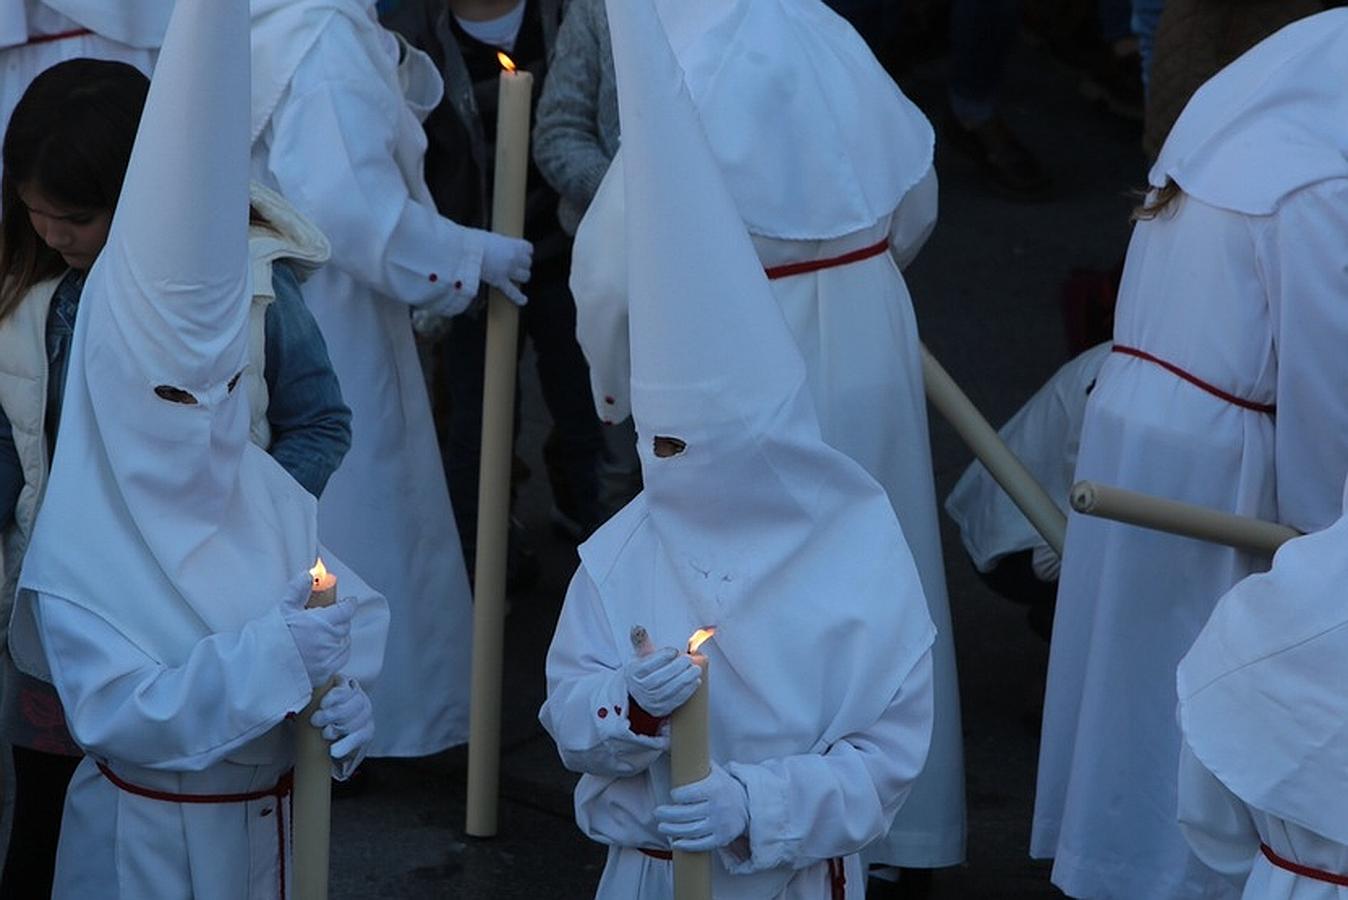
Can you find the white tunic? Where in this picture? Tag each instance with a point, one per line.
(214, 725)
(1252, 305)
(855, 328)
(803, 809)
(25, 58)
(346, 149)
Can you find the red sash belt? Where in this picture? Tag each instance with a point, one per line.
(59, 36)
(837, 873)
(1303, 871)
(279, 791)
(1266, 408)
(815, 265)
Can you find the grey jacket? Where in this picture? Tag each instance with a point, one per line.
(576, 134)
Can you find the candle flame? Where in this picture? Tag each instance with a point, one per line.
(699, 638)
(506, 62)
(319, 570)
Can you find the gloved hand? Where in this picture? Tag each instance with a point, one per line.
(662, 681)
(346, 718)
(507, 262)
(1045, 563)
(322, 636)
(706, 814)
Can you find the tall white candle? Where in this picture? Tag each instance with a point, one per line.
(498, 416)
(689, 762)
(311, 803)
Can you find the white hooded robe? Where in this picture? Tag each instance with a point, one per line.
(854, 325)
(150, 591)
(1262, 709)
(1242, 286)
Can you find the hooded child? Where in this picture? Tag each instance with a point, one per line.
(750, 523)
(37, 34)
(1224, 389)
(1264, 764)
(66, 151)
(830, 168)
(336, 128)
(163, 591)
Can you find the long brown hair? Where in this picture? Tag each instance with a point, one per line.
(70, 137)
(1157, 204)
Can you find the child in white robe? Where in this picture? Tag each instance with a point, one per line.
(820, 668)
(834, 180)
(164, 587)
(1263, 771)
(1224, 389)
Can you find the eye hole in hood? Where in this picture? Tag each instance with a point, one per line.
(665, 447)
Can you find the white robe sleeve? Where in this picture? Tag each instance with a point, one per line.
(333, 148)
(1217, 825)
(123, 705)
(1303, 253)
(914, 220)
(587, 707)
(813, 807)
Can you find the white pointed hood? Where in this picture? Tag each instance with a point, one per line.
(1264, 690)
(1272, 122)
(812, 135)
(758, 527)
(160, 516)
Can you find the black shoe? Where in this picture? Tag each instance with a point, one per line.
(1012, 168)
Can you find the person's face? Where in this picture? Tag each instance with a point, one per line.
(77, 234)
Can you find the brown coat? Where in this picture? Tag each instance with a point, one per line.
(1196, 39)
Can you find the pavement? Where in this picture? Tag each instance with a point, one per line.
(986, 291)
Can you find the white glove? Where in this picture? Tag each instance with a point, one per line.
(662, 681)
(707, 814)
(1045, 563)
(346, 718)
(506, 263)
(322, 636)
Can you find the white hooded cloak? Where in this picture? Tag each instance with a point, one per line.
(1264, 714)
(1241, 285)
(820, 670)
(151, 590)
(823, 157)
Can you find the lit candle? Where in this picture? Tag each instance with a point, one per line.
(689, 762)
(493, 504)
(324, 591)
(311, 803)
